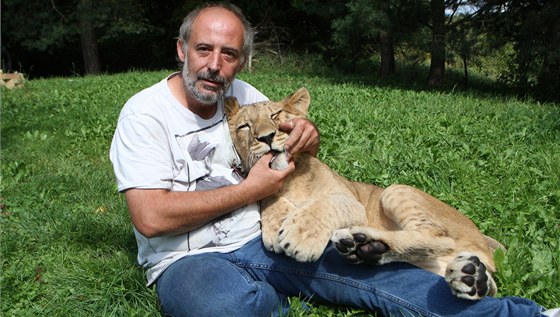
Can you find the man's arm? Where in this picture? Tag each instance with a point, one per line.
(157, 212)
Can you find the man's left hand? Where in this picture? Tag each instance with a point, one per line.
(304, 136)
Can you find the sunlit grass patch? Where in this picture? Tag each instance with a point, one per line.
(67, 247)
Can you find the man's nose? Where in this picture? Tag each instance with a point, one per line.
(214, 64)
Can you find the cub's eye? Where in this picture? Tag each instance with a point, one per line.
(243, 126)
(274, 115)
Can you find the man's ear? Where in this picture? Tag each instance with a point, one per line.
(180, 51)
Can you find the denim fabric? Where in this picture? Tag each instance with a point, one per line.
(255, 282)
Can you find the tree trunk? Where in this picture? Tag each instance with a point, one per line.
(465, 69)
(437, 62)
(386, 42)
(387, 53)
(88, 40)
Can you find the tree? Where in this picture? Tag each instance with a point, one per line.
(368, 22)
(437, 48)
(368, 27)
(51, 31)
(90, 52)
(386, 42)
(533, 29)
(444, 20)
(462, 41)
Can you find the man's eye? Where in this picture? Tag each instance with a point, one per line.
(203, 49)
(230, 56)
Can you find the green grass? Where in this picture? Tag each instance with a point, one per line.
(67, 247)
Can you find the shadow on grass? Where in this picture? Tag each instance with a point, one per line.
(407, 77)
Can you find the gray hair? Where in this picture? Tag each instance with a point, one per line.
(248, 33)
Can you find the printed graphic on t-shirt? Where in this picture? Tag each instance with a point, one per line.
(200, 150)
(206, 171)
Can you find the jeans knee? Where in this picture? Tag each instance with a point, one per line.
(214, 287)
(260, 300)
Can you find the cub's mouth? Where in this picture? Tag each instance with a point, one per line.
(275, 154)
(279, 160)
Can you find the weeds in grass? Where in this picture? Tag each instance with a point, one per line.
(67, 246)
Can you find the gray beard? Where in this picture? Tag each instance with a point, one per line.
(190, 80)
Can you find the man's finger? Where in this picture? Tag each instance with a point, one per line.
(287, 126)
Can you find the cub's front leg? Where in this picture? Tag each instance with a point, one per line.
(304, 234)
(274, 212)
(306, 230)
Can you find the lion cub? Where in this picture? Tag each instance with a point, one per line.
(367, 224)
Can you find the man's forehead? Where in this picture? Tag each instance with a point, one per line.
(218, 15)
(217, 22)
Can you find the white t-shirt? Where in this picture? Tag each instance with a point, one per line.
(159, 143)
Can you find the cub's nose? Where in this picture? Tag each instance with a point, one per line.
(267, 138)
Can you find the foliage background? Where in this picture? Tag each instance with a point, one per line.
(514, 42)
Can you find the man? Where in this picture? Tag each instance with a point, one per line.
(197, 223)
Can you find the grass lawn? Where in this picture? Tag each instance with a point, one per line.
(67, 247)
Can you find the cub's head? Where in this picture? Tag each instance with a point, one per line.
(254, 128)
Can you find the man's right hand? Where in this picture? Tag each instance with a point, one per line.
(157, 212)
(265, 181)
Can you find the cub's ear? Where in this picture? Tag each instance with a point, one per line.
(298, 102)
(231, 106)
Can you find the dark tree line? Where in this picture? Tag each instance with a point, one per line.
(61, 37)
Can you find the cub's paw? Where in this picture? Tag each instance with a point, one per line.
(468, 278)
(270, 240)
(270, 227)
(357, 246)
(303, 243)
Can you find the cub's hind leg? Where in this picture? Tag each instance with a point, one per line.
(417, 236)
(467, 275)
(427, 233)
(411, 209)
(469, 278)
(364, 244)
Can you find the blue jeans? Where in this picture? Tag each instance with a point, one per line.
(255, 282)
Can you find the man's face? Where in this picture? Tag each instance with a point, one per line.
(213, 54)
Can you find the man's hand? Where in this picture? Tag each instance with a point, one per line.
(304, 136)
(265, 181)
(158, 212)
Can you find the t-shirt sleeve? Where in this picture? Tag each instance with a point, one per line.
(140, 153)
(245, 93)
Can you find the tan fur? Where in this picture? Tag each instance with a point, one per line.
(317, 205)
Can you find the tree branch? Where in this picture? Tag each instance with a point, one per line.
(57, 11)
